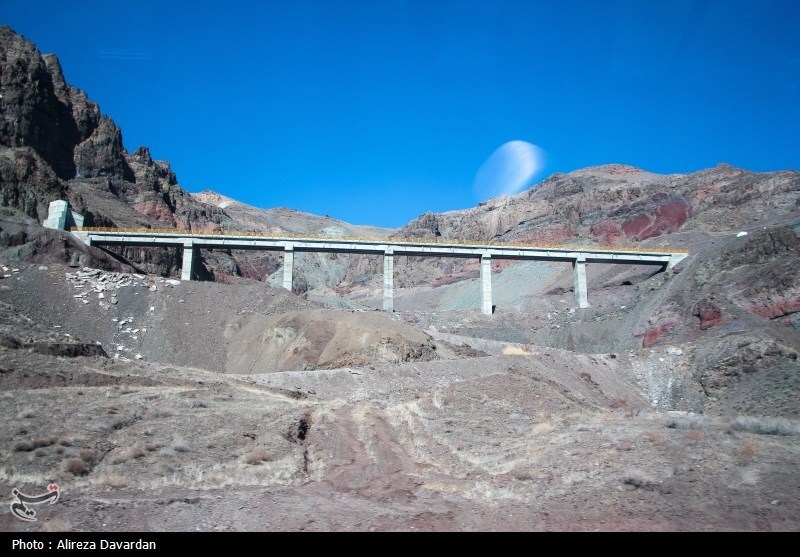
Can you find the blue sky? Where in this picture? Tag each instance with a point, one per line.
(377, 111)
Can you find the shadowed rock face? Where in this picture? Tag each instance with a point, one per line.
(27, 182)
(33, 114)
(101, 154)
(55, 144)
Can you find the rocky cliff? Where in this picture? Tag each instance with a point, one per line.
(56, 144)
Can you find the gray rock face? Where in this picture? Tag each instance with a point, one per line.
(102, 153)
(27, 182)
(33, 115)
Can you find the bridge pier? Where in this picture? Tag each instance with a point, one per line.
(187, 267)
(486, 284)
(288, 266)
(579, 274)
(388, 280)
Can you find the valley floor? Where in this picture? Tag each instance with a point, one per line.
(515, 437)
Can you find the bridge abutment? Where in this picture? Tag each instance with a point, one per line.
(674, 259)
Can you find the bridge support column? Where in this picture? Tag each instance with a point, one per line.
(486, 284)
(579, 273)
(388, 280)
(187, 267)
(288, 266)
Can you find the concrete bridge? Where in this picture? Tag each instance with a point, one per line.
(289, 244)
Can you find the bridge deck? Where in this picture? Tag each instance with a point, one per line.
(426, 247)
(578, 255)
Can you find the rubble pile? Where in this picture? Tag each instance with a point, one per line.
(133, 336)
(7, 272)
(104, 284)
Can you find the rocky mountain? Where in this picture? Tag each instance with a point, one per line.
(618, 205)
(55, 143)
(283, 219)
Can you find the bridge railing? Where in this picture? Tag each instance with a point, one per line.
(396, 240)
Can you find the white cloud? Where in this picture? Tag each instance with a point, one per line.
(511, 168)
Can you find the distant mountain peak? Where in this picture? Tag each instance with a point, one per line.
(613, 169)
(213, 198)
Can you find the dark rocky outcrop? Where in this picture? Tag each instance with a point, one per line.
(102, 153)
(56, 144)
(27, 182)
(69, 349)
(33, 114)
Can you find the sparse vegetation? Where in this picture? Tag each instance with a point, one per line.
(23, 446)
(159, 412)
(655, 437)
(637, 479)
(690, 421)
(44, 441)
(748, 451)
(87, 455)
(537, 439)
(695, 435)
(765, 425)
(179, 445)
(118, 456)
(75, 466)
(256, 456)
